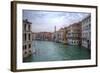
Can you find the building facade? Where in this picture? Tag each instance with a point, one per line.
(27, 38)
(86, 32)
(42, 36)
(62, 35)
(74, 34)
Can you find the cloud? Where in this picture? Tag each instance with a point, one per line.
(47, 20)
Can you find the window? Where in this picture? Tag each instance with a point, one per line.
(25, 52)
(25, 47)
(25, 37)
(29, 51)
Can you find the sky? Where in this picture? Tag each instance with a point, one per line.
(45, 21)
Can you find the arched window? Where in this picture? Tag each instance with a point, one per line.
(25, 37)
(24, 47)
(25, 52)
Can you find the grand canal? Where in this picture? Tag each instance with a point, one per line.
(51, 51)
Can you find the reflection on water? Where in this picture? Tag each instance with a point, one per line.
(51, 51)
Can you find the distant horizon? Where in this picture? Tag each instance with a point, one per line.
(45, 21)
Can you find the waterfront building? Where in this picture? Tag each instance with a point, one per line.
(43, 36)
(65, 35)
(74, 34)
(27, 38)
(37, 36)
(47, 36)
(86, 32)
(62, 35)
(33, 35)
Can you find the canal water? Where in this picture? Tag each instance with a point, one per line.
(52, 51)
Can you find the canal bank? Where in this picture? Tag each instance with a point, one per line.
(52, 51)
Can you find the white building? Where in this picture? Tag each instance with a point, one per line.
(60, 35)
(27, 38)
(86, 32)
(74, 34)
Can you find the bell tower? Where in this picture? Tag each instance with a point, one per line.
(55, 28)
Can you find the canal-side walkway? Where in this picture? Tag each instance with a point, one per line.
(51, 51)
